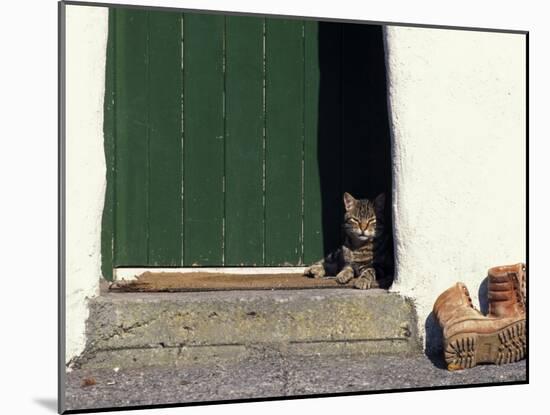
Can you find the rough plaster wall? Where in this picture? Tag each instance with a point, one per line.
(457, 108)
(86, 39)
(457, 101)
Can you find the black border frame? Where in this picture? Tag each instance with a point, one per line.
(61, 288)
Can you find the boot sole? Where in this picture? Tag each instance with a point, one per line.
(506, 345)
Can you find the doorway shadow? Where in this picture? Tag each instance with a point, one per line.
(354, 148)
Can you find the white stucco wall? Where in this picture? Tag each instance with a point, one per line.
(457, 113)
(457, 101)
(86, 39)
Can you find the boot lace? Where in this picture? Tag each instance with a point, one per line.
(518, 286)
(467, 295)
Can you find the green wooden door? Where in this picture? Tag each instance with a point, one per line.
(211, 141)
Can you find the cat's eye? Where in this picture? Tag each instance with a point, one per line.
(353, 220)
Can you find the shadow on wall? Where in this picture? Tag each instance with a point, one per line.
(483, 296)
(354, 148)
(434, 341)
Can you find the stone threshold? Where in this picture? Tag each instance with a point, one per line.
(132, 330)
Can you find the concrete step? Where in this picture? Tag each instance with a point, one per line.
(148, 329)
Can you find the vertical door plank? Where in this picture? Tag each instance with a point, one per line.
(131, 137)
(313, 227)
(165, 139)
(322, 159)
(203, 139)
(107, 220)
(244, 228)
(284, 141)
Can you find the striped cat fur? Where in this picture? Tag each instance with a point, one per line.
(365, 254)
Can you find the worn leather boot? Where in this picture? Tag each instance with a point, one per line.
(506, 288)
(471, 338)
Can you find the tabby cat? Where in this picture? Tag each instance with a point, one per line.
(365, 254)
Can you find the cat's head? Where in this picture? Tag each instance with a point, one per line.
(364, 218)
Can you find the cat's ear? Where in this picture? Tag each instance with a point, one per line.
(349, 201)
(380, 202)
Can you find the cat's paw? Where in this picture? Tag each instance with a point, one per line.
(364, 283)
(315, 271)
(369, 274)
(344, 276)
(366, 280)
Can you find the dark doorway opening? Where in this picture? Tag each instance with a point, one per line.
(354, 150)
